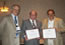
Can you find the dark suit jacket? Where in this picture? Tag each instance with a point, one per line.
(26, 25)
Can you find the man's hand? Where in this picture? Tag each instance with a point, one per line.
(26, 37)
(56, 29)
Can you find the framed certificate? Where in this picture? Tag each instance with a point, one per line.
(32, 34)
(49, 33)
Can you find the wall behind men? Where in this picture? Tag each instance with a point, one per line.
(41, 6)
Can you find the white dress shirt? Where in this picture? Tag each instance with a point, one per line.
(17, 24)
(14, 19)
(35, 23)
(50, 25)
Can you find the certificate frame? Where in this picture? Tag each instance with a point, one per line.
(32, 34)
(49, 33)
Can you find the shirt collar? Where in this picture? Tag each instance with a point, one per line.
(31, 20)
(13, 15)
(52, 20)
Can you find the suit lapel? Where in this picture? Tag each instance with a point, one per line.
(47, 23)
(55, 22)
(12, 21)
(38, 24)
(30, 23)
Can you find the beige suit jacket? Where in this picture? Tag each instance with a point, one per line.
(8, 31)
(59, 24)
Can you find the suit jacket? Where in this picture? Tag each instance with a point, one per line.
(59, 24)
(26, 25)
(8, 31)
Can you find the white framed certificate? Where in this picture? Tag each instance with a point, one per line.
(49, 33)
(32, 34)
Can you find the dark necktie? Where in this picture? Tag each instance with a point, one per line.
(15, 20)
(33, 24)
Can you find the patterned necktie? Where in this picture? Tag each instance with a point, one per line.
(15, 20)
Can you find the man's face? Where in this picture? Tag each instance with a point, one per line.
(51, 15)
(33, 15)
(15, 10)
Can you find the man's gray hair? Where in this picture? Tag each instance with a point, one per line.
(12, 7)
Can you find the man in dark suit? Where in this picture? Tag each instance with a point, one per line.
(31, 23)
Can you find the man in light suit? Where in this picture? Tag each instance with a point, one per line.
(54, 22)
(28, 25)
(10, 27)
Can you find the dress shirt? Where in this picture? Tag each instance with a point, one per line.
(14, 19)
(35, 23)
(50, 25)
(17, 24)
